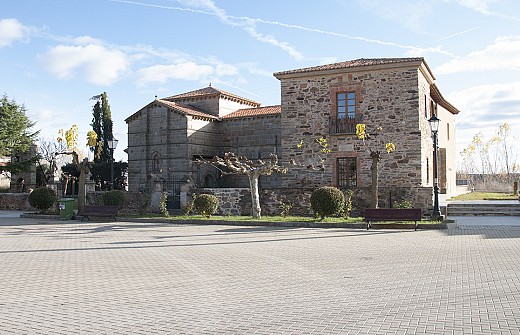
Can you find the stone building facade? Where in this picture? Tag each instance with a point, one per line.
(398, 95)
(166, 137)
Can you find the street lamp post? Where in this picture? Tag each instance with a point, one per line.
(434, 127)
(112, 145)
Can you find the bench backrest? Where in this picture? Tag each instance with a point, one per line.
(393, 214)
(101, 209)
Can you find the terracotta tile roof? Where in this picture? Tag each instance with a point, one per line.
(184, 110)
(352, 64)
(259, 111)
(209, 92)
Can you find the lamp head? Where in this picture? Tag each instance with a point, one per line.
(434, 123)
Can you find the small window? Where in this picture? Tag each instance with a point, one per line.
(425, 106)
(346, 169)
(427, 170)
(448, 131)
(346, 105)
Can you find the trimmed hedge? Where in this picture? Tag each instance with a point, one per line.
(42, 198)
(327, 201)
(114, 198)
(205, 204)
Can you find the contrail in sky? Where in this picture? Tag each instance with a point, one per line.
(276, 23)
(457, 34)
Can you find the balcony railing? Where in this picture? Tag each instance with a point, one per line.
(344, 126)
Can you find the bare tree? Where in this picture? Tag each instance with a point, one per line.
(48, 157)
(232, 164)
(375, 150)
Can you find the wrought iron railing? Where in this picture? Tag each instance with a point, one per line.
(344, 126)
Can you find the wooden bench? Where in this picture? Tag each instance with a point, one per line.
(100, 211)
(392, 214)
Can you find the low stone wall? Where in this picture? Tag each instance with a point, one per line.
(135, 202)
(15, 202)
(237, 201)
(232, 201)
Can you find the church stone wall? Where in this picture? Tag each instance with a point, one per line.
(157, 146)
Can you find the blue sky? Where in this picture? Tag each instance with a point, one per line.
(56, 54)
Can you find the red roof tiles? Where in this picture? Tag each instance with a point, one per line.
(209, 92)
(352, 64)
(184, 110)
(259, 111)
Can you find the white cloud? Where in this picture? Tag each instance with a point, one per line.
(11, 30)
(501, 55)
(480, 6)
(488, 105)
(484, 108)
(99, 65)
(410, 14)
(222, 69)
(185, 71)
(483, 7)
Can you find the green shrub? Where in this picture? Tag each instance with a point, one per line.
(285, 208)
(206, 204)
(144, 203)
(42, 198)
(114, 198)
(327, 201)
(163, 205)
(402, 204)
(190, 208)
(347, 205)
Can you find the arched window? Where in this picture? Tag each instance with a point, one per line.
(156, 162)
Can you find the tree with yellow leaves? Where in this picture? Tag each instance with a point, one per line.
(375, 154)
(70, 138)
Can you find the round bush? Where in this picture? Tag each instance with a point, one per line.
(326, 201)
(114, 198)
(205, 204)
(42, 198)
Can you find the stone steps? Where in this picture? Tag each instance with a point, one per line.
(461, 209)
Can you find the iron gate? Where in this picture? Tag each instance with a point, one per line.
(173, 188)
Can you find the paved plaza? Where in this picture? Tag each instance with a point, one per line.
(68, 277)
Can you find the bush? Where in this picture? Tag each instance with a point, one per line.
(163, 205)
(326, 201)
(347, 205)
(114, 198)
(42, 198)
(402, 204)
(206, 204)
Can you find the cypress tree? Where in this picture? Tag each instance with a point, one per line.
(102, 125)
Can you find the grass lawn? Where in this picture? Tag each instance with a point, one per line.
(174, 218)
(251, 219)
(484, 196)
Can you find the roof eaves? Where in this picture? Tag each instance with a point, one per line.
(438, 98)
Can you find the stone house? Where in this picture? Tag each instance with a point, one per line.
(398, 94)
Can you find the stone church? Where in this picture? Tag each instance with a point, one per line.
(167, 136)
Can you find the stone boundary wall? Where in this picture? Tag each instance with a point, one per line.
(237, 201)
(15, 202)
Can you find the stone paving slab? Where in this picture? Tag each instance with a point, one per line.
(135, 278)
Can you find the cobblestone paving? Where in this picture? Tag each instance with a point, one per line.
(130, 278)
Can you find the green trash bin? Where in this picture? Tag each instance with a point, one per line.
(68, 206)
